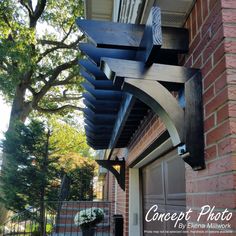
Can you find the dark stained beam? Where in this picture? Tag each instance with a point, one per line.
(96, 147)
(97, 135)
(151, 41)
(106, 34)
(117, 69)
(95, 53)
(101, 120)
(97, 127)
(90, 112)
(100, 94)
(122, 116)
(101, 136)
(98, 141)
(193, 125)
(99, 84)
(98, 103)
(99, 124)
(97, 144)
(102, 139)
(101, 108)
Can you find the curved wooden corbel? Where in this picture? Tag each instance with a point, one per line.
(157, 97)
(152, 85)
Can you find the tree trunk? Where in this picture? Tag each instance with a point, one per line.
(44, 170)
(42, 215)
(20, 109)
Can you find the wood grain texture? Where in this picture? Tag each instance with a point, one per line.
(106, 34)
(117, 69)
(151, 41)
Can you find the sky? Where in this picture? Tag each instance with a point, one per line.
(4, 116)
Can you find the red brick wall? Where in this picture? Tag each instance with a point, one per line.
(121, 201)
(149, 130)
(212, 48)
(111, 190)
(119, 198)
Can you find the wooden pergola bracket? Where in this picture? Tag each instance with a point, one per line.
(112, 165)
(123, 61)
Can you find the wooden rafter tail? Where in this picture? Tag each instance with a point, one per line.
(95, 54)
(107, 34)
(92, 69)
(99, 84)
(102, 94)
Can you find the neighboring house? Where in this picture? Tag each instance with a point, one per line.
(155, 173)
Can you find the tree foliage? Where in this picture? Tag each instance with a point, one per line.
(38, 159)
(82, 181)
(30, 176)
(38, 56)
(75, 159)
(67, 140)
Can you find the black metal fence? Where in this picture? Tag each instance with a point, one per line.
(58, 220)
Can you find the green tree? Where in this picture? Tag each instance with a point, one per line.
(75, 159)
(68, 138)
(82, 181)
(38, 56)
(30, 177)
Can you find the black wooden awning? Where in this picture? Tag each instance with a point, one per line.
(131, 69)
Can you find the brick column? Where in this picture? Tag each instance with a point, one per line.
(212, 25)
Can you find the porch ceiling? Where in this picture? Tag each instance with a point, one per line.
(98, 9)
(174, 12)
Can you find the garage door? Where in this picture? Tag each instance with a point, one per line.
(163, 191)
